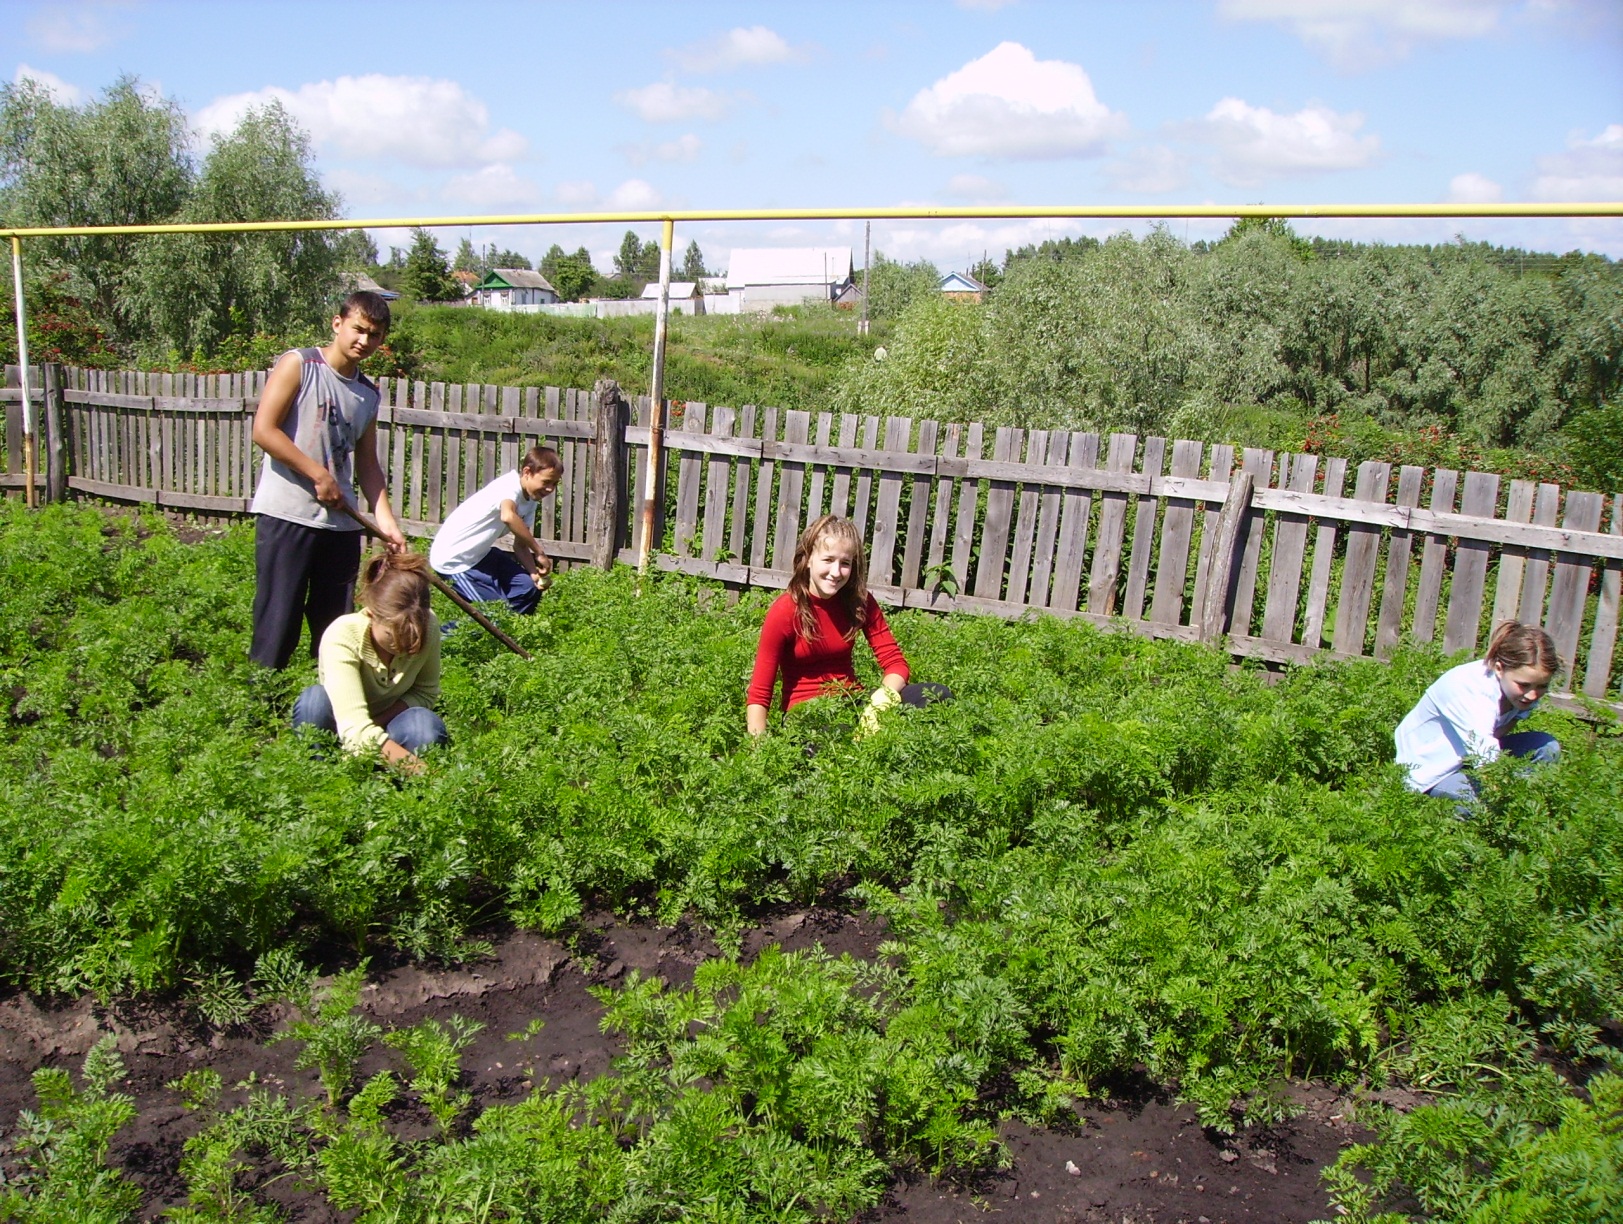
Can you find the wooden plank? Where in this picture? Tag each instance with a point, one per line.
(471, 444)
(1260, 463)
(1216, 599)
(579, 474)
(1076, 508)
(765, 490)
(1144, 515)
(714, 541)
(995, 531)
(969, 495)
(1536, 575)
(887, 507)
(918, 508)
(1289, 553)
(689, 477)
(121, 492)
(1507, 595)
(1434, 558)
(1324, 551)
(862, 496)
(791, 484)
(1221, 467)
(1177, 530)
(1025, 524)
(547, 518)
(1048, 509)
(558, 429)
(1569, 592)
(839, 502)
(819, 473)
(1460, 632)
(512, 406)
(1396, 589)
(1603, 643)
(738, 525)
(453, 451)
(1358, 571)
(941, 513)
(1107, 539)
(436, 462)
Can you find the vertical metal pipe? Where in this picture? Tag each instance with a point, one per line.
(29, 497)
(656, 416)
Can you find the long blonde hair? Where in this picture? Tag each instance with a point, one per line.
(394, 589)
(853, 596)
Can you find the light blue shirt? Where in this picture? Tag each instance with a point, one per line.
(1457, 720)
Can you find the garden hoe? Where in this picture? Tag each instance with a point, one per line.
(445, 587)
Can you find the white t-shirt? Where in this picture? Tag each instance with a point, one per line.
(1457, 718)
(466, 536)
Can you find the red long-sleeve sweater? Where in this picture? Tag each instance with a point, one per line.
(810, 667)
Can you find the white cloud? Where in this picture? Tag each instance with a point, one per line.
(1009, 104)
(1149, 171)
(64, 92)
(737, 48)
(576, 193)
(1359, 34)
(683, 149)
(496, 187)
(360, 188)
(634, 195)
(976, 188)
(79, 28)
(1254, 144)
(1588, 170)
(664, 102)
(1473, 188)
(422, 120)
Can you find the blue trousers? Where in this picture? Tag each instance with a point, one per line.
(497, 577)
(1539, 747)
(414, 728)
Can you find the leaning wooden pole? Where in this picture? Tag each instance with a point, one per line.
(29, 497)
(445, 588)
(652, 485)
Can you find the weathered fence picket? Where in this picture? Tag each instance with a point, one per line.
(1162, 536)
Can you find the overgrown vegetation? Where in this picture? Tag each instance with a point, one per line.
(1108, 853)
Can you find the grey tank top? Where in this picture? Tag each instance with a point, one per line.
(329, 415)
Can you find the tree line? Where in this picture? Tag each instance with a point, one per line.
(1155, 335)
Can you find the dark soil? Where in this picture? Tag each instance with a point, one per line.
(1138, 1157)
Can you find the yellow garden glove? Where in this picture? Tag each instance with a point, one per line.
(882, 698)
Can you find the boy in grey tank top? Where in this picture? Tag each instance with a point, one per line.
(317, 424)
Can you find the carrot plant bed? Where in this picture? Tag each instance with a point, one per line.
(1118, 906)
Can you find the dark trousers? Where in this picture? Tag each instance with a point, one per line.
(497, 576)
(301, 574)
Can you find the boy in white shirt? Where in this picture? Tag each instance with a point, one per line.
(463, 552)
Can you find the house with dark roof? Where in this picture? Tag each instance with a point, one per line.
(513, 289)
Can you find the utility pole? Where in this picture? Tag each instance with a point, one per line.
(867, 238)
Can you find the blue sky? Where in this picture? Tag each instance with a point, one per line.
(559, 105)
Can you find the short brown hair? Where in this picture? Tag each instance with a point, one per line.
(370, 306)
(1515, 645)
(542, 459)
(394, 589)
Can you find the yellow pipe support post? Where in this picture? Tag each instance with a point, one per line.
(1590, 208)
(30, 499)
(656, 411)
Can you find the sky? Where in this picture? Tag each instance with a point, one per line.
(478, 108)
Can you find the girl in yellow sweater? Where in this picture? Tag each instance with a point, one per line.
(380, 668)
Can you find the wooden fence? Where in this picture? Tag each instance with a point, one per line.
(1271, 553)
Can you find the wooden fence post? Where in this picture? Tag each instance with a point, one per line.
(1214, 608)
(56, 459)
(606, 507)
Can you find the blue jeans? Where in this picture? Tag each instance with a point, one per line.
(497, 577)
(1538, 747)
(414, 728)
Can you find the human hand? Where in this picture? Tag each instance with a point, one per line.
(882, 698)
(327, 491)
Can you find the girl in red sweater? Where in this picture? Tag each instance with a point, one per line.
(811, 627)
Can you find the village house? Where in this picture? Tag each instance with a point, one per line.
(961, 287)
(514, 289)
(759, 278)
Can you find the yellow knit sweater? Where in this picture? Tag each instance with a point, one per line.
(361, 686)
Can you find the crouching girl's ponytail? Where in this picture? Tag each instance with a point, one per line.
(394, 589)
